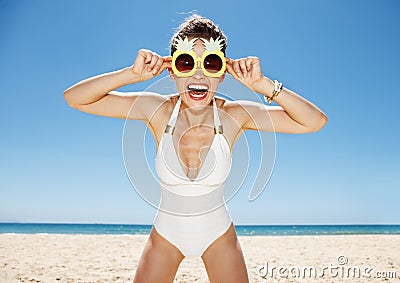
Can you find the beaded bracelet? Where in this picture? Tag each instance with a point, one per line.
(277, 89)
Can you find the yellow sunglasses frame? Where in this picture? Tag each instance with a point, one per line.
(196, 60)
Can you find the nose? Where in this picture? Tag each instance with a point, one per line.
(199, 73)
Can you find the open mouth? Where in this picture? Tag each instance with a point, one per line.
(197, 92)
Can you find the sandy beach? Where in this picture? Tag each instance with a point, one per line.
(113, 258)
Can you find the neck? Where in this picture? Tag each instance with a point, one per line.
(195, 116)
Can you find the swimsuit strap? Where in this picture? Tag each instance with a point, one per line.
(169, 129)
(217, 123)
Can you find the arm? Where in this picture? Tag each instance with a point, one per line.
(294, 115)
(96, 96)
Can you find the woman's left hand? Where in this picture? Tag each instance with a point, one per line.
(247, 71)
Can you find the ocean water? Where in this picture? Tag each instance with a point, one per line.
(242, 230)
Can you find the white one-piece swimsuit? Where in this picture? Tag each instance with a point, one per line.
(192, 213)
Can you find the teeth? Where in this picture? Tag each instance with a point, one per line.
(198, 95)
(198, 87)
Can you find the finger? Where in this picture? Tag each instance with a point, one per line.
(228, 60)
(165, 65)
(158, 65)
(146, 55)
(236, 68)
(230, 70)
(153, 62)
(167, 58)
(248, 65)
(256, 66)
(160, 68)
(242, 64)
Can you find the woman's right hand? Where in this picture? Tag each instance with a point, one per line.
(149, 64)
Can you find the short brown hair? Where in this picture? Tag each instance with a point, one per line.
(198, 26)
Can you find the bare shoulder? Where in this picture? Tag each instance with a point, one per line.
(238, 110)
(159, 113)
(144, 104)
(233, 116)
(161, 106)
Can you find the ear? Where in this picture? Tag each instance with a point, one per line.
(171, 74)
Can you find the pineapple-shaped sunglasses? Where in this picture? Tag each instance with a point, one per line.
(184, 59)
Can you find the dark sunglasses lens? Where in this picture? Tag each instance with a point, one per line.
(184, 63)
(213, 63)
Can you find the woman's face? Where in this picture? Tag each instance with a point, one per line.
(197, 90)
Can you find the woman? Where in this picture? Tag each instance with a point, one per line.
(190, 126)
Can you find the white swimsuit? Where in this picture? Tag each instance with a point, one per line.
(192, 213)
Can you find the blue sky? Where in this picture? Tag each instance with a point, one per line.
(61, 165)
